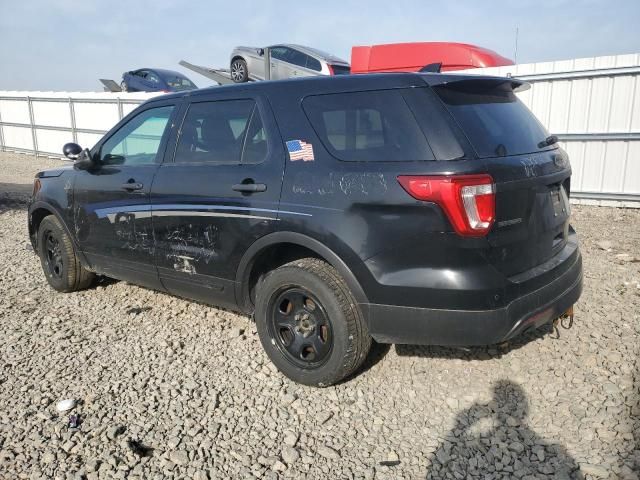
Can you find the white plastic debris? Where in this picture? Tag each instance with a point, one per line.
(65, 405)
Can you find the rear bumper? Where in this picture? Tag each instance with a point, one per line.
(425, 326)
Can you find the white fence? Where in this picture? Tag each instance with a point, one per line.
(592, 104)
(41, 122)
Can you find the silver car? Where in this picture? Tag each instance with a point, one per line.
(247, 63)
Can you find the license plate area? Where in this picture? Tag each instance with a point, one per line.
(559, 201)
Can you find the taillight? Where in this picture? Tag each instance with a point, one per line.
(331, 72)
(469, 201)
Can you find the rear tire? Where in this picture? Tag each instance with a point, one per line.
(60, 264)
(310, 324)
(239, 71)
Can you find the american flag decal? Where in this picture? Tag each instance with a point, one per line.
(299, 150)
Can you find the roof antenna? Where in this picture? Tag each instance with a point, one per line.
(515, 53)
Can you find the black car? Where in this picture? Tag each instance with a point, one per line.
(404, 208)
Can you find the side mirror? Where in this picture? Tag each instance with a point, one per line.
(71, 150)
(260, 51)
(84, 161)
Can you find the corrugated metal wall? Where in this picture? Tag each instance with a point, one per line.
(593, 105)
(42, 122)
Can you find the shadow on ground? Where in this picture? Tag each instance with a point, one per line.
(14, 196)
(475, 353)
(494, 439)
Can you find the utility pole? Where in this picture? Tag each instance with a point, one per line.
(515, 52)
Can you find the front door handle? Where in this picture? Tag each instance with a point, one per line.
(131, 186)
(249, 187)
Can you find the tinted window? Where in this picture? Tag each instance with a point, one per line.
(313, 64)
(295, 57)
(214, 132)
(255, 146)
(340, 70)
(496, 122)
(278, 52)
(367, 126)
(137, 142)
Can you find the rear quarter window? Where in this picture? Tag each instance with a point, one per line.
(496, 122)
(374, 126)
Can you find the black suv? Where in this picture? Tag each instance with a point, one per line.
(404, 208)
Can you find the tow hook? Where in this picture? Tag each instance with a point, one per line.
(565, 321)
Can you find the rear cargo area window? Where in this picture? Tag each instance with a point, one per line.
(375, 126)
(496, 122)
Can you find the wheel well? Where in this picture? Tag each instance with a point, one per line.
(237, 57)
(36, 218)
(271, 258)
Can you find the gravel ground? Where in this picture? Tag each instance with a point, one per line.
(168, 388)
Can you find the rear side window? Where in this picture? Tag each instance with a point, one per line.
(313, 64)
(375, 126)
(216, 132)
(496, 122)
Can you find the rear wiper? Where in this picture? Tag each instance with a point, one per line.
(550, 140)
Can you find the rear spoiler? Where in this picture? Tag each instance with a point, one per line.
(439, 79)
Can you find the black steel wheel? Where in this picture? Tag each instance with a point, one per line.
(310, 324)
(54, 260)
(300, 326)
(239, 71)
(60, 264)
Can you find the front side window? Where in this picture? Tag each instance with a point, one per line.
(278, 52)
(219, 132)
(152, 77)
(138, 141)
(367, 126)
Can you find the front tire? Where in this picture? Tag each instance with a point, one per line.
(60, 264)
(310, 324)
(239, 71)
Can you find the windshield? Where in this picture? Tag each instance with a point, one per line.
(180, 83)
(496, 122)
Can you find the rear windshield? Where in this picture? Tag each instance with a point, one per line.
(496, 122)
(367, 126)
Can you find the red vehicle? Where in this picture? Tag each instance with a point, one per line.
(412, 57)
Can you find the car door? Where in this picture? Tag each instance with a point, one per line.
(280, 69)
(111, 211)
(298, 64)
(219, 194)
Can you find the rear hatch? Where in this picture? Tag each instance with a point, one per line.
(530, 172)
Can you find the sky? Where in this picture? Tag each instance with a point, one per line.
(67, 45)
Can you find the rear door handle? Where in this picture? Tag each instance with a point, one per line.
(130, 187)
(249, 187)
